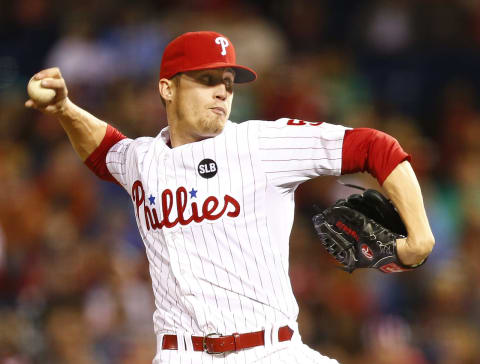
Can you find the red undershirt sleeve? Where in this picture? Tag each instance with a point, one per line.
(97, 160)
(372, 151)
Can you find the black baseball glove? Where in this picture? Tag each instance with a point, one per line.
(361, 232)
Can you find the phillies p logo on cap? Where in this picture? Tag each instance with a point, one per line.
(224, 43)
(202, 50)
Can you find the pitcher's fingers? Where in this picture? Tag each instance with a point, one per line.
(53, 72)
(55, 83)
(30, 104)
(51, 109)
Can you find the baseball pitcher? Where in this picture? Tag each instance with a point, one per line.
(214, 205)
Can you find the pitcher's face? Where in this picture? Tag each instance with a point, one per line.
(202, 101)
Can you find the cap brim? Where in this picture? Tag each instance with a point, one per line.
(242, 74)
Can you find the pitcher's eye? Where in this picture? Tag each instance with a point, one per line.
(207, 80)
(228, 84)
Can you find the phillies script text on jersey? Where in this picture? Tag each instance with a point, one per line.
(209, 209)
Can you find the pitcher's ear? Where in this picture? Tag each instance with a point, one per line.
(166, 88)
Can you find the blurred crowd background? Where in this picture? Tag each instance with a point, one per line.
(74, 281)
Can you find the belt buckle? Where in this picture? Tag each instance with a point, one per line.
(204, 342)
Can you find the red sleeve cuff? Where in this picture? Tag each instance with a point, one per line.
(370, 150)
(97, 160)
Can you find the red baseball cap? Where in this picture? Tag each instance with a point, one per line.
(202, 50)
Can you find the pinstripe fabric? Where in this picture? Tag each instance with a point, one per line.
(294, 352)
(218, 247)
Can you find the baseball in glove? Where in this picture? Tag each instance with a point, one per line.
(361, 232)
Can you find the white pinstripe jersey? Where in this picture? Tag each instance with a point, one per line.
(218, 247)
